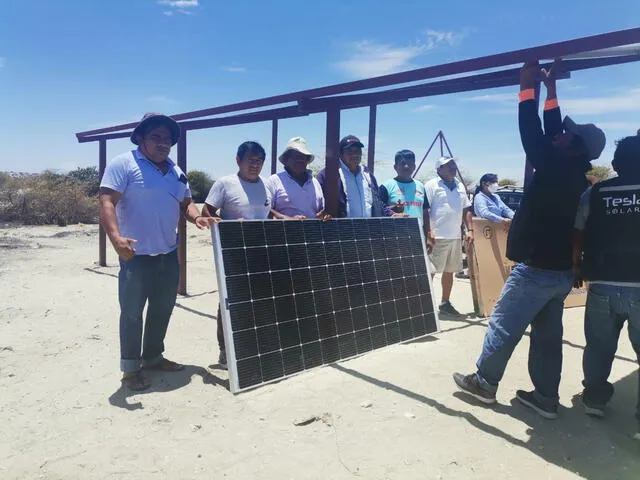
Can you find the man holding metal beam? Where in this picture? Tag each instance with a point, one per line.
(540, 242)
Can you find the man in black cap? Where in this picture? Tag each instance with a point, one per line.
(540, 242)
(607, 255)
(357, 187)
(142, 195)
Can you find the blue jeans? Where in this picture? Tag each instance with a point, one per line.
(530, 296)
(151, 280)
(608, 307)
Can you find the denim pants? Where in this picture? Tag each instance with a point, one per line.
(608, 307)
(150, 280)
(530, 296)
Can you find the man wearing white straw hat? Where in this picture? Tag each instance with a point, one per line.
(295, 193)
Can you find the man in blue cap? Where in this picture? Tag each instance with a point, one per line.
(357, 187)
(142, 195)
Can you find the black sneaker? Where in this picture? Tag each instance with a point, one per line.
(471, 385)
(222, 359)
(528, 399)
(592, 409)
(447, 309)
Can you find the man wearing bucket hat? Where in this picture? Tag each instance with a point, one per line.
(358, 195)
(142, 195)
(295, 193)
(540, 242)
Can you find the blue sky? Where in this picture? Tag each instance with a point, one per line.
(73, 65)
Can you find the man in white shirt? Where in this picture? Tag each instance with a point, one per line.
(449, 207)
(242, 196)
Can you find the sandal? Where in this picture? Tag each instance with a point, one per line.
(135, 381)
(165, 365)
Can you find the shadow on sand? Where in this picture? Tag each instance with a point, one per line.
(592, 448)
(166, 382)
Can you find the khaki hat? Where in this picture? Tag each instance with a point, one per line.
(299, 144)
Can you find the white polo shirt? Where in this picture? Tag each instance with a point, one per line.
(237, 198)
(447, 206)
(289, 198)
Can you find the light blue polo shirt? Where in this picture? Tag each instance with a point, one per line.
(149, 209)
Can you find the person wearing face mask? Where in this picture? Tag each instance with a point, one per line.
(295, 194)
(487, 203)
(541, 243)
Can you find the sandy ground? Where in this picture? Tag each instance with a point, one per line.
(391, 414)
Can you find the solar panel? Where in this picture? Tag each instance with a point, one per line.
(297, 294)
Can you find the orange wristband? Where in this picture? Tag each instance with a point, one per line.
(528, 94)
(551, 104)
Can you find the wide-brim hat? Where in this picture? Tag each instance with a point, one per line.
(593, 137)
(300, 145)
(157, 119)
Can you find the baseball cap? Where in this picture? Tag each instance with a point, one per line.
(350, 141)
(593, 137)
(443, 161)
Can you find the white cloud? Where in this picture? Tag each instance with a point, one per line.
(493, 97)
(423, 108)
(616, 103)
(368, 58)
(628, 102)
(234, 69)
(435, 37)
(2, 62)
(179, 3)
(157, 99)
(178, 6)
(632, 127)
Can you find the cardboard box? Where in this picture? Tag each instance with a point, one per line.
(489, 267)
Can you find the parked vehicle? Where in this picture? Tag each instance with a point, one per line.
(512, 196)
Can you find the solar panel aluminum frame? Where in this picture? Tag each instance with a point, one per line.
(234, 384)
(232, 367)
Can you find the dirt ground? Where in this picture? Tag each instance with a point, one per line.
(390, 414)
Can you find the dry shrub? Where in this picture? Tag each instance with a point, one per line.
(48, 198)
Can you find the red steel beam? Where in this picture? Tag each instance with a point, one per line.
(331, 162)
(483, 81)
(102, 235)
(274, 145)
(371, 148)
(553, 50)
(182, 225)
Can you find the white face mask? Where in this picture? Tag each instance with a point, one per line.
(493, 187)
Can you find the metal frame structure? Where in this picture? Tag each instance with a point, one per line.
(461, 76)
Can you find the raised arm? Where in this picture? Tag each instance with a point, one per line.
(552, 117)
(531, 134)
